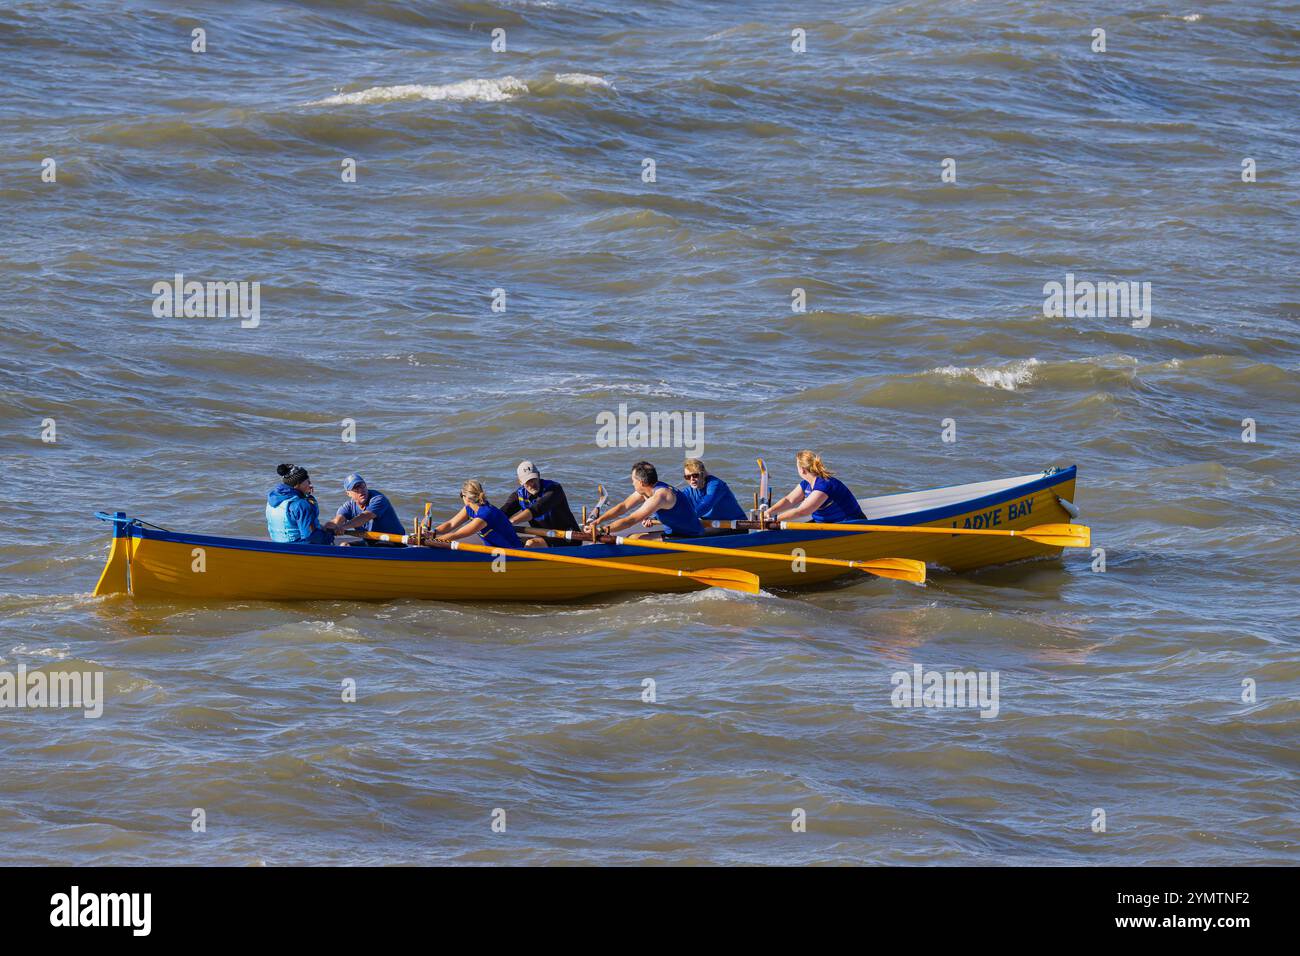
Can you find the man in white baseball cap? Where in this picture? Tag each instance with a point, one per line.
(542, 503)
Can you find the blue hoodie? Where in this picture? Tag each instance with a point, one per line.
(293, 517)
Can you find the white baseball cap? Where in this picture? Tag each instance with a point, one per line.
(526, 472)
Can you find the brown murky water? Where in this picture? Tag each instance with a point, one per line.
(1125, 691)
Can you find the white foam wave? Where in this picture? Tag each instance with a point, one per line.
(58, 653)
(707, 595)
(583, 79)
(477, 90)
(582, 384)
(1008, 378)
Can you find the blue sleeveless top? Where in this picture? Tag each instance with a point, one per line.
(499, 533)
(840, 505)
(681, 519)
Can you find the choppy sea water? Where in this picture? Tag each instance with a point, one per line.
(522, 170)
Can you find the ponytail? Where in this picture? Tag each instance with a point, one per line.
(812, 463)
(472, 492)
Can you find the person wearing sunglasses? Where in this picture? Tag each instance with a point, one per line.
(478, 516)
(708, 494)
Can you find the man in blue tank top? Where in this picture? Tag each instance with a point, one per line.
(652, 498)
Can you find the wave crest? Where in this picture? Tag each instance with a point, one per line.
(1009, 377)
(477, 90)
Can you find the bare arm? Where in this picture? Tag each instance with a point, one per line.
(451, 522)
(464, 531)
(648, 508)
(793, 498)
(616, 510)
(810, 504)
(340, 525)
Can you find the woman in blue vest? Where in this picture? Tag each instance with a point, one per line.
(819, 496)
(652, 498)
(292, 516)
(478, 516)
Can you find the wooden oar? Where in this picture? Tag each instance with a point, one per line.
(902, 569)
(1052, 535)
(727, 578)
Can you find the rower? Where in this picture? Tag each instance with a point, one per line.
(819, 496)
(652, 497)
(366, 510)
(710, 496)
(292, 515)
(478, 516)
(543, 504)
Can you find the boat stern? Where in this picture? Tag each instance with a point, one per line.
(116, 576)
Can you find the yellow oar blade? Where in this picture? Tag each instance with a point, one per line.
(900, 569)
(728, 578)
(905, 569)
(1059, 535)
(1052, 535)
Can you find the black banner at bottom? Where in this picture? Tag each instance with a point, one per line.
(336, 906)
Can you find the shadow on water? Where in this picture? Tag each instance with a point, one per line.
(1043, 577)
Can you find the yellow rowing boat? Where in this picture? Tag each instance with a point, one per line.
(148, 562)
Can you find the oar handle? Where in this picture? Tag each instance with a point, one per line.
(713, 577)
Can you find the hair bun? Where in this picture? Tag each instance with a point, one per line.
(283, 470)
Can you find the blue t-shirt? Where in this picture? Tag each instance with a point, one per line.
(499, 533)
(840, 505)
(385, 519)
(713, 502)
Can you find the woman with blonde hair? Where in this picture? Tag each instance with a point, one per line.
(478, 516)
(819, 496)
